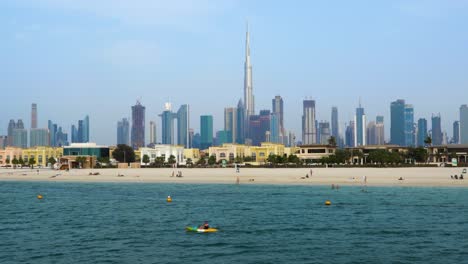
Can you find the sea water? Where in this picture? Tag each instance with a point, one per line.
(133, 223)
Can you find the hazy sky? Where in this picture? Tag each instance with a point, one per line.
(92, 57)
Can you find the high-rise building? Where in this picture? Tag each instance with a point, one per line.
(152, 132)
(52, 133)
(324, 131)
(61, 138)
(309, 130)
(240, 135)
(360, 127)
(85, 133)
(39, 137)
(397, 122)
(334, 123)
(80, 131)
(138, 126)
(375, 132)
(255, 131)
(11, 128)
(74, 134)
(278, 109)
(123, 132)
(379, 119)
(3, 141)
(183, 125)
(422, 132)
(464, 124)
(437, 135)
(456, 132)
(409, 126)
(248, 89)
(265, 116)
(33, 116)
(230, 123)
(349, 134)
(206, 131)
(222, 137)
(20, 135)
(167, 124)
(275, 128)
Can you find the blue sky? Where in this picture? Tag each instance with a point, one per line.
(98, 57)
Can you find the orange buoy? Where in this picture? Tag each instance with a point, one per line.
(39, 197)
(327, 202)
(169, 199)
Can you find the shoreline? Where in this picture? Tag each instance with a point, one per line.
(412, 177)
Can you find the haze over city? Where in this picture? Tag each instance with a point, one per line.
(85, 58)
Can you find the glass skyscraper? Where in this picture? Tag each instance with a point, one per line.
(456, 132)
(167, 124)
(409, 126)
(123, 132)
(360, 127)
(138, 126)
(334, 123)
(397, 122)
(230, 123)
(437, 135)
(309, 129)
(39, 137)
(422, 132)
(183, 125)
(275, 128)
(278, 109)
(206, 131)
(240, 135)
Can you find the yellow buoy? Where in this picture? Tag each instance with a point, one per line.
(39, 197)
(327, 202)
(169, 199)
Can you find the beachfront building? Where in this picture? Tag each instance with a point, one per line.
(359, 154)
(164, 151)
(260, 153)
(228, 152)
(445, 153)
(42, 155)
(314, 153)
(8, 154)
(192, 154)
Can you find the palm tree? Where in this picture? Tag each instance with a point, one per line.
(31, 162)
(332, 141)
(428, 141)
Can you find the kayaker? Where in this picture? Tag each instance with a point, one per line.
(204, 226)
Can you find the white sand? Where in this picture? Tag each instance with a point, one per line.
(320, 176)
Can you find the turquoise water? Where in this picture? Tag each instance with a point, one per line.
(132, 223)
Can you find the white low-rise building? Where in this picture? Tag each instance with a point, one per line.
(163, 151)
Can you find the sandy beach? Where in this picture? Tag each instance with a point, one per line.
(320, 176)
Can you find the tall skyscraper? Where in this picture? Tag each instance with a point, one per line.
(324, 131)
(397, 122)
(52, 133)
(39, 137)
(34, 116)
(349, 134)
(183, 126)
(255, 131)
(248, 89)
(334, 123)
(422, 132)
(123, 132)
(409, 126)
(464, 124)
(85, 133)
(80, 131)
(230, 123)
(206, 131)
(11, 128)
(456, 132)
(278, 109)
(240, 135)
(275, 128)
(360, 127)
(309, 130)
(74, 134)
(167, 124)
(3, 141)
(138, 126)
(61, 138)
(152, 132)
(437, 136)
(20, 137)
(375, 132)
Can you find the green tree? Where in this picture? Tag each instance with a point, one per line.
(248, 159)
(172, 160)
(294, 159)
(51, 161)
(379, 156)
(211, 160)
(124, 153)
(7, 160)
(272, 159)
(238, 159)
(417, 154)
(332, 141)
(189, 162)
(81, 161)
(31, 162)
(159, 161)
(21, 161)
(201, 161)
(15, 162)
(428, 141)
(146, 159)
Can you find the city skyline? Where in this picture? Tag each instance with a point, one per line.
(329, 72)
